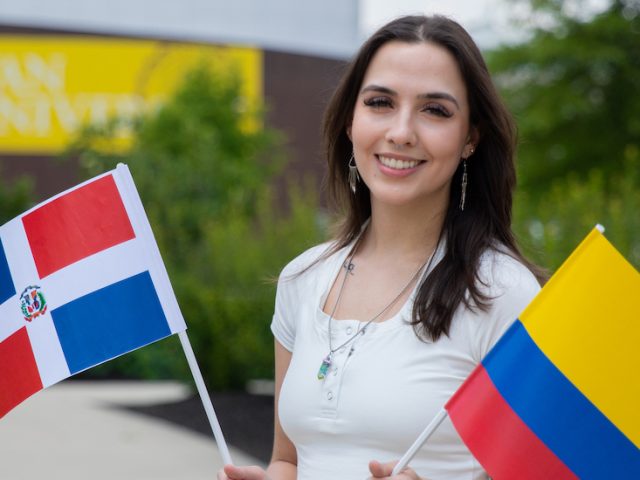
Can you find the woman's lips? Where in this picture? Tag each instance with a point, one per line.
(398, 167)
(398, 164)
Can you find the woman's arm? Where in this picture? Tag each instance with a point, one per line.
(284, 459)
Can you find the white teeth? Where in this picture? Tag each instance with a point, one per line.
(398, 164)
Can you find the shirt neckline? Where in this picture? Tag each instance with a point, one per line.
(395, 321)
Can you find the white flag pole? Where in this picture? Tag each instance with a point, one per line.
(163, 285)
(204, 396)
(422, 438)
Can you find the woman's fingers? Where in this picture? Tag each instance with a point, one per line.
(243, 473)
(381, 470)
(384, 470)
(221, 475)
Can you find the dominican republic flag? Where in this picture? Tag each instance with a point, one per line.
(559, 395)
(81, 282)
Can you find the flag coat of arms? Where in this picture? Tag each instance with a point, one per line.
(81, 282)
(559, 394)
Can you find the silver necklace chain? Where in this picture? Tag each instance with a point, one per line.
(349, 266)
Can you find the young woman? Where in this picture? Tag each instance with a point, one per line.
(375, 330)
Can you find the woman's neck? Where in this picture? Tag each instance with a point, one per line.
(404, 234)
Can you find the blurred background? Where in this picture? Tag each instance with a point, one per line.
(216, 108)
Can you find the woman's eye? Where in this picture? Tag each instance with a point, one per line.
(437, 109)
(377, 102)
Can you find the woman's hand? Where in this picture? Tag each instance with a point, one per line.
(383, 471)
(231, 472)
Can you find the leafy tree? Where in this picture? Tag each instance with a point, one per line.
(552, 226)
(573, 87)
(574, 91)
(205, 171)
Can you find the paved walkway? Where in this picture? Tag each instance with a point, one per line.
(75, 430)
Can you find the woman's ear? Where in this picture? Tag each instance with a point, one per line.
(472, 141)
(349, 132)
(475, 135)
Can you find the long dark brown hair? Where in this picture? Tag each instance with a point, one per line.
(485, 222)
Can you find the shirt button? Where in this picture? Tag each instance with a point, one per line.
(349, 330)
(330, 395)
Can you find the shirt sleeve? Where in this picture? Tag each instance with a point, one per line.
(295, 280)
(283, 326)
(510, 287)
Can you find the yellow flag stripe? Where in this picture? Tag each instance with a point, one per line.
(586, 320)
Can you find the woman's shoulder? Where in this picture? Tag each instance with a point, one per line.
(307, 260)
(500, 273)
(509, 286)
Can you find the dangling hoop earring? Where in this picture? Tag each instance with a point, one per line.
(354, 177)
(463, 190)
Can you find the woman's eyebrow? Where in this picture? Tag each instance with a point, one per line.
(440, 96)
(427, 96)
(379, 89)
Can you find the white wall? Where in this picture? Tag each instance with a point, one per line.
(327, 28)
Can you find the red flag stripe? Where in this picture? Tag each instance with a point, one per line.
(503, 444)
(19, 376)
(76, 225)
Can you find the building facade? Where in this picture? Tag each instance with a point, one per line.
(66, 63)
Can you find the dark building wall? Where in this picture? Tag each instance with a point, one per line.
(297, 89)
(50, 175)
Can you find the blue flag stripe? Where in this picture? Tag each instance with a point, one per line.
(557, 412)
(109, 322)
(7, 288)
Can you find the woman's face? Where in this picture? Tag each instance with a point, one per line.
(411, 125)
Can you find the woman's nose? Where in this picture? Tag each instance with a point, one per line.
(401, 131)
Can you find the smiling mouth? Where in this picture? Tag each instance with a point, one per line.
(398, 164)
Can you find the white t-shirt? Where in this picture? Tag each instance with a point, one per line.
(374, 403)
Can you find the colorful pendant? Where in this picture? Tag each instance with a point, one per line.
(324, 368)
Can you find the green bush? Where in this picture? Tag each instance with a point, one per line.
(240, 258)
(572, 86)
(554, 225)
(206, 176)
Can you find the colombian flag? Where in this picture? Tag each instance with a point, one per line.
(558, 397)
(81, 282)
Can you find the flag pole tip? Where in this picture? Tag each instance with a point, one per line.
(600, 228)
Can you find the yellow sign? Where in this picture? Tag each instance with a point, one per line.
(50, 86)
